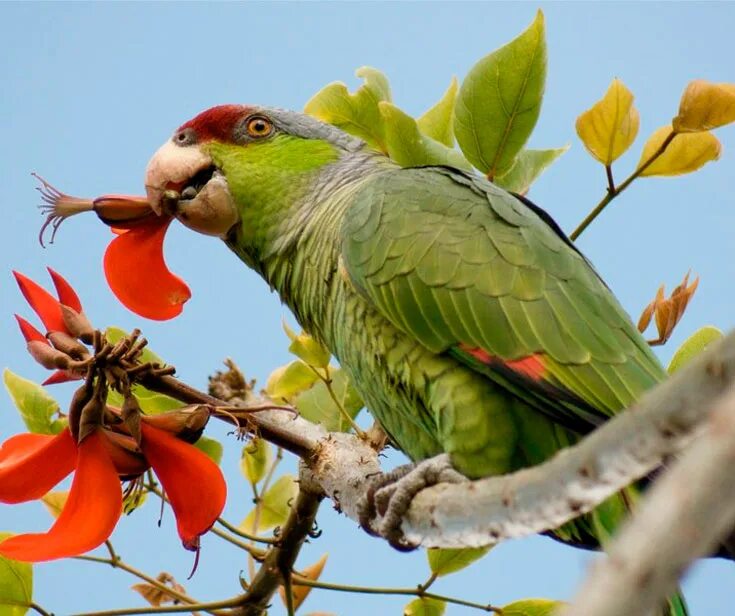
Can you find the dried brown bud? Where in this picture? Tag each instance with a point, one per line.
(186, 423)
(46, 355)
(66, 344)
(667, 311)
(77, 324)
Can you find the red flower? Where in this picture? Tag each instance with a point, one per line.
(32, 464)
(138, 275)
(134, 265)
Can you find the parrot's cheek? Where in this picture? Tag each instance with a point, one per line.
(208, 209)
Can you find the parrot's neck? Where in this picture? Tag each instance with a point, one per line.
(291, 217)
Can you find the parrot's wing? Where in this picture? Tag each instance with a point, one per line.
(470, 270)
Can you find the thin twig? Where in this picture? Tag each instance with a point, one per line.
(369, 590)
(613, 191)
(37, 608)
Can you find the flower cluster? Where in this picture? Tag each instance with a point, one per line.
(103, 445)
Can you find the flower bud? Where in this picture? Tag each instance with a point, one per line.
(186, 423)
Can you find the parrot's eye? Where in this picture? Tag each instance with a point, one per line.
(259, 127)
(185, 136)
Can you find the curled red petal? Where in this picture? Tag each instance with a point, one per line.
(138, 276)
(32, 464)
(66, 293)
(62, 376)
(43, 303)
(89, 515)
(29, 332)
(192, 481)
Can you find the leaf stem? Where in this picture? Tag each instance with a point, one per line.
(168, 609)
(118, 563)
(343, 411)
(236, 531)
(414, 592)
(37, 608)
(613, 191)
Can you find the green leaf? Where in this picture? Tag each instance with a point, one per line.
(526, 169)
(693, 346)
(287, 381)
(409, 148)
(254, 459)
(444, 561)
(16, 585)
(318, 406)
(437, 122)
(500, 100)
(532, 607)
(213, 448)
(36, 407)
(356, 113)
(55, 501)
(275, 506)
(151, 402)
(424, 606)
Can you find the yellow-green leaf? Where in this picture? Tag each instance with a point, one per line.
(16, 585)
(424, 606)
(437, 122)
(306, 348)
(275, 506)
(290, 380)
(610, 126)
(317, 405)
(254, 459)
(55, 501)
(528, 166)
(299, 593)
(686, 153)
(409, 148)
(211, 447)
(36, 407)
(705, 105)
(443, 561)
(355, 113)
(693, 346)
(500, 100)
(532, 607)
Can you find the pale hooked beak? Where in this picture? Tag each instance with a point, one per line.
(184, 182)
(171, 168)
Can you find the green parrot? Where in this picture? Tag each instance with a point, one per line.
(466, 319)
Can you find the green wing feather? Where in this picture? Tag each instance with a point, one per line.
(460, 264)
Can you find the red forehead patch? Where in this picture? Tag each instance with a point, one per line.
(217, 123)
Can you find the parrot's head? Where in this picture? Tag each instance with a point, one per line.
(215, 165)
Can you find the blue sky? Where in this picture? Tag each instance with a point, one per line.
(91, 90)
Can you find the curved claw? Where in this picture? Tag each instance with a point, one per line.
(389, 496)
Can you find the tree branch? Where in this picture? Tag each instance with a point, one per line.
(576, 480)
(693, 503)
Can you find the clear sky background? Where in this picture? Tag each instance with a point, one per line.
(89, 91)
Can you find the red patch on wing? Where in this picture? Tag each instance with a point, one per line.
(531, 366)
(217, 123)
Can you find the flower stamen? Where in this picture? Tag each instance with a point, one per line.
(58, 206)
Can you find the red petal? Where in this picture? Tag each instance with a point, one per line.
(29, 332)
(43, 303)
(67, 295)
(89, 516)
(138, 276)
(62, 376)
(192, 481)
(32, 464)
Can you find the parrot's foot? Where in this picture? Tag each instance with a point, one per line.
(390, 494)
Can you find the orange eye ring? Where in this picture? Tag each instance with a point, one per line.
(259, 127)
